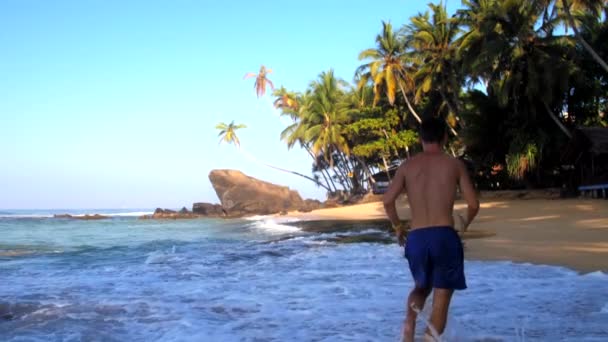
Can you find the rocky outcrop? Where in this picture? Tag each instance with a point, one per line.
(310, 205)
(167, 214)
(83, 217)
(208, 209)
(241, 195)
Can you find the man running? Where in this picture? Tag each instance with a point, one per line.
(434, 249)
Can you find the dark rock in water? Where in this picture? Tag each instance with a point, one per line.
(164, 211)
(170, 214)
(241, 195)
(364, 238)
(208, 209)
(85, 217)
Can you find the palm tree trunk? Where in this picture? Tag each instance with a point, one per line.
(345, 179)
(556, 120)
(366, 169)
(388, 174)
(444, 97)
(580, 38)
(409, 105)
(321, 170)
(284, 170)
(348, 171)
(331, 180)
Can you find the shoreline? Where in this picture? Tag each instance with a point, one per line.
(571, 233)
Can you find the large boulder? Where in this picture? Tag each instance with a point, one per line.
(241, 195)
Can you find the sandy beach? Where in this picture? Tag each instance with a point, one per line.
(564, 232)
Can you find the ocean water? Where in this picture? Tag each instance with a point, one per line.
(125, 279)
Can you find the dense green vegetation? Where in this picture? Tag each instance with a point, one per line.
(512, 79)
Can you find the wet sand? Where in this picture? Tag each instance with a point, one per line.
(564, 232)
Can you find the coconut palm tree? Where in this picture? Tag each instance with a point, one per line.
(261, 81)
(432, 43)
(318, 126)
(387, 70)
(594, 7)
(228, 133)
(525, 69)
(294, 133)
(285, 100)
(326, 114)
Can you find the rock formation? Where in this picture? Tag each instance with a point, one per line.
(171, 214)
(241, 195)
(208, 209)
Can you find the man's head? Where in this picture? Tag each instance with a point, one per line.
(433, 131)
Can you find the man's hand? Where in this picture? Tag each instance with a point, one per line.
(464, 224)
(401, 237)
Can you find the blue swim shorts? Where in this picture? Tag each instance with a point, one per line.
(436, 258)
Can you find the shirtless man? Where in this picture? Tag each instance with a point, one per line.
(434, 249)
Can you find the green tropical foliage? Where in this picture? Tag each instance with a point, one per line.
(228, 133)
(261, 81)
(513, 79)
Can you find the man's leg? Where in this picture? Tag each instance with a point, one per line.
(417, 298)
(439, 315)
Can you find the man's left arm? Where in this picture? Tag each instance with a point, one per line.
(395, 188)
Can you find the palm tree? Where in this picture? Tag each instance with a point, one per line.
(526, 69)
(285, 100)
(319, 126)
(387, 70)
(327, 112)
(295, 132)
(432, 42)
(261, 80)
(591, 6)
(228, 133)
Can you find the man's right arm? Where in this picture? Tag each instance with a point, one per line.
(468, 193)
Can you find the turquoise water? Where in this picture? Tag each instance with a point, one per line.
(258, 280)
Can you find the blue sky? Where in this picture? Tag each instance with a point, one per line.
(112, 104)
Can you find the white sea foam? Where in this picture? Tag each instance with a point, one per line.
(25, 215)
(273, 218)
(47, 215)
(128, 214)
(258, 217)
(234, 290)
(162, 257)
(273, 227)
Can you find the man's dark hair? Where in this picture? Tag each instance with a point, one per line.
(432, 130)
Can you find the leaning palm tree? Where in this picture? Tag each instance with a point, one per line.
(594, 7)
(228, 133)
(261, 80)
(386, 69)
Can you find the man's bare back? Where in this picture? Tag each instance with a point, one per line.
(430, 179)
